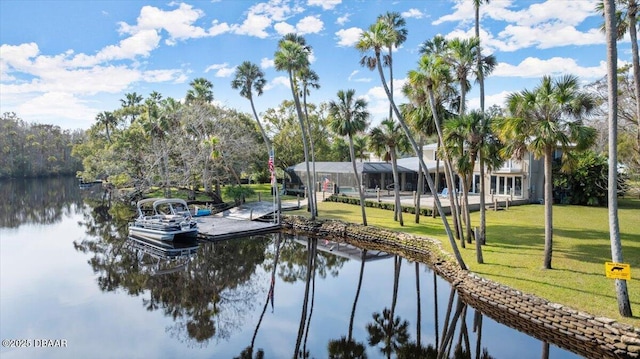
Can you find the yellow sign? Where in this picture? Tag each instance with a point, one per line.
(617, 270)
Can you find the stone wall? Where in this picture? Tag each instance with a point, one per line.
(579, 332)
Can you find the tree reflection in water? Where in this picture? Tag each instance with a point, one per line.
(208, 296)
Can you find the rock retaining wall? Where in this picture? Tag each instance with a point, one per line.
(565, 327)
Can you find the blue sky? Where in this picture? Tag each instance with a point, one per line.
(63, 62)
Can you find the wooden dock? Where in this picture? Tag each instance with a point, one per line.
(244, 220)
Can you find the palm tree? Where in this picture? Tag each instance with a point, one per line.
(462, 140)
(378, 36)
(397, 25)
(249, 77)
(292, 57)
(541, 120)
(433, 73)
(624, 305)
(388, 139)
(201, 91)
(131, 105)
(108, 120)
(360, 145)
(347, 117)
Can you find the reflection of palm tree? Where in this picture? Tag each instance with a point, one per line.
(392, 332)
(270, 294)
(312, 245)
(346, 347)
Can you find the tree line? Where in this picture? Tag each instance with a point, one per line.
(36, 150)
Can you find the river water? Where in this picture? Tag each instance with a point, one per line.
(73, 285)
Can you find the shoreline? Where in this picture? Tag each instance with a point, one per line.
(555, 323)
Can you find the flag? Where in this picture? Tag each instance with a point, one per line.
(271, 166)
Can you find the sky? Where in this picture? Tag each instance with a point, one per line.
(63, 62)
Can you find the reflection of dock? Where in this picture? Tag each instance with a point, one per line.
(346, 250)
(245, 220)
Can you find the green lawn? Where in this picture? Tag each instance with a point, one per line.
(513, 254)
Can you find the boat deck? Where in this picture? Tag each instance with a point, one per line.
(244, 220)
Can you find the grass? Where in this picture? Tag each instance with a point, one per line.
(513, 254)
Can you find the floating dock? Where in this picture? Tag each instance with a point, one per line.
(245, 220)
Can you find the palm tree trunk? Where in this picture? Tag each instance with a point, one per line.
(624, 305)
(352, 153)
(632, 16)
(548, 207)
(420, 186)
(313, 155)
(355, 300)
(310, 188)
(396, 187)
(418, 311)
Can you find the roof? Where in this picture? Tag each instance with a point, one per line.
(347, 167)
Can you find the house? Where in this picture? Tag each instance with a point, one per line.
(518, 179)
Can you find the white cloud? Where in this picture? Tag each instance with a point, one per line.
(532, 67)
(309, 25)
(57, 104)
(341, 20)
(221, 70)
(354, 78)
(499, 99)
(178, 23)
(326, 4)
(266, 63)
(276, 10)
(253, 25)
(549, 24)
(348, 37)
(413, 13)
(218, 28)
(282, 28)
(277, 82)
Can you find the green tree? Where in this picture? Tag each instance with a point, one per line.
(387, 139)
(347, 117)
(201, 91)
(397, 24)
(292, 57)
(542, 120)
(109, 121)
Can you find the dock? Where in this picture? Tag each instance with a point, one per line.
(244, 220)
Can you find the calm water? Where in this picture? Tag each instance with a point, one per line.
(69, 273)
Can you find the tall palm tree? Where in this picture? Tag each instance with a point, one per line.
(433, 73)
(480, 76)
(248, 77)
(347, 117)
(201, 91)
(540, 121)
(108, 120)
(624, 305)
(397, 24)
(377, 37)
(387, 139)
(292, 57)
(626, 18)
